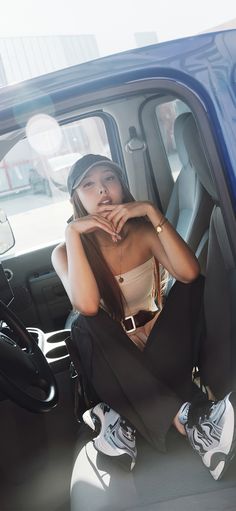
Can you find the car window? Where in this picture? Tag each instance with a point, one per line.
(166, 114)
(33, 177)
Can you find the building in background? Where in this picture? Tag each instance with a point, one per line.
(145, 38)
(26, 57)
(3, 78)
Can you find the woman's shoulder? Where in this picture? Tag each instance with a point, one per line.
(61, 247)
(58, 251)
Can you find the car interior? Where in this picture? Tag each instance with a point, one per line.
(162, 138)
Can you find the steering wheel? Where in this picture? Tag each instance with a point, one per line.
(25, 375)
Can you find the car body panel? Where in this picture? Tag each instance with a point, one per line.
(204, 64)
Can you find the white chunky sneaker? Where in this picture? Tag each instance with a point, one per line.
(211, 430)
(116, 438)
(94, 417)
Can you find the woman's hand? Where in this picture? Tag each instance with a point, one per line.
(91, 223)
(118, 214)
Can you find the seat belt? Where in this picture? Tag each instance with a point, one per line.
(138, 147)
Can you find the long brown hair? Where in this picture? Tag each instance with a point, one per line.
(109, 289)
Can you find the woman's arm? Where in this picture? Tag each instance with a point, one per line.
(171, 250)
(72, 266)
(167, 246)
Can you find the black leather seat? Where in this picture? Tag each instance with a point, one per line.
(219, 351)
(190, 205)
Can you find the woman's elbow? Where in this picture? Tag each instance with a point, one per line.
(192, 273)
(89, 312)
(90, 309)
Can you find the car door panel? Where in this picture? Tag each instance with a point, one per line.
(39, 297)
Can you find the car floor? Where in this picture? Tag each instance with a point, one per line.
(37, 475)
(37, 455)
(176, 481)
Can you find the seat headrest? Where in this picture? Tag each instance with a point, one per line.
(195, 150)
(179, 140)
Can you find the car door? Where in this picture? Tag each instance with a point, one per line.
(39, 218)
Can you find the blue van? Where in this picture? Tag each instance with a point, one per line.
(166, 114)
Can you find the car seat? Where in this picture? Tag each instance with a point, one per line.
(190, 206)
(218, 357)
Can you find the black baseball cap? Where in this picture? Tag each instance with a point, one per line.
(80, 168)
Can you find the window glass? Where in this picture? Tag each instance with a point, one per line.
(166, 114)
(33, 177)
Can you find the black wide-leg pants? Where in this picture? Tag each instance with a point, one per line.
(146, 387)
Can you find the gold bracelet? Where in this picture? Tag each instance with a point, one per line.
(159, 227)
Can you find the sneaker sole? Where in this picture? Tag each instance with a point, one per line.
(124, 461)
(218, 459)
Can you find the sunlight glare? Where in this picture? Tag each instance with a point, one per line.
(44, 134)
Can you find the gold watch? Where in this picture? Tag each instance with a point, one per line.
(159, 227)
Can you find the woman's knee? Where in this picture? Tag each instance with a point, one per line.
(101, 318)
(190, 287)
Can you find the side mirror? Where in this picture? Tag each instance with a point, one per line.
(7, 239)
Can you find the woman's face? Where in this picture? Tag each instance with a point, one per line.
(101, 185)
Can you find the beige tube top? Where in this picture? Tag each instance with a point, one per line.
(139, 287)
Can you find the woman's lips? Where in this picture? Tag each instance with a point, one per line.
(104, 202)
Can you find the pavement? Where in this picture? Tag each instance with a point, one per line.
(36, 220)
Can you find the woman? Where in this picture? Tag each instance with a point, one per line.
(137, 355)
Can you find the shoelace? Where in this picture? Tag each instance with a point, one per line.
(128, 431)
(198, 411)
(105, 408)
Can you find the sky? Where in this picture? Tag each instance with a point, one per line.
(113, 22)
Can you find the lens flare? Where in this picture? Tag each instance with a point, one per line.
(44, 134)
